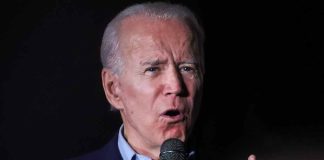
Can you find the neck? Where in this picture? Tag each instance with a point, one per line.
(138, 143)
(141, 146)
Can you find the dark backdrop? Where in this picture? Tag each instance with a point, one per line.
(263, 89)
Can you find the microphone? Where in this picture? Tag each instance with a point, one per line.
(173, 149)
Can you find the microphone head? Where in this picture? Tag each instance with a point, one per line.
(173, 149)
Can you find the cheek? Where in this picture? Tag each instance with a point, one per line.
(193, 100)
(139, 94)
(192, 86)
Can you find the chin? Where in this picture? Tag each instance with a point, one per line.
(176, 132)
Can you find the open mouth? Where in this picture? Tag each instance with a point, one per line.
(173, 115)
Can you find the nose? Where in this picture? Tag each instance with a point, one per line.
(173, 83)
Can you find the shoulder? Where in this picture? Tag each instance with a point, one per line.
(109, 151)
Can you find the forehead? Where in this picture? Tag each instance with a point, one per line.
(151, 23)
(141, 34)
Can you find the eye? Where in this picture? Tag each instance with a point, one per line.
(187, 69)
(152, 70)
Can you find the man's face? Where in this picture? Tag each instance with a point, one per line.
(160, 82)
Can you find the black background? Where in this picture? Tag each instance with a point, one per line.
(263, 87)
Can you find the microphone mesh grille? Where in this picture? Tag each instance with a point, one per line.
(173, 149)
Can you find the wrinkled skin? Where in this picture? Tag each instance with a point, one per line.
(159, 74)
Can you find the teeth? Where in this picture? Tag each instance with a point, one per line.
(172, 113)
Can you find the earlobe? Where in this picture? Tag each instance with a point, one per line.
(111, 87)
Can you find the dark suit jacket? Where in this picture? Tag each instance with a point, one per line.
(108, 152)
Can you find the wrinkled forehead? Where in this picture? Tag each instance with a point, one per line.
(152, 33)
(147, 25)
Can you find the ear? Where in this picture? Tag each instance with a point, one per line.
(110, 82)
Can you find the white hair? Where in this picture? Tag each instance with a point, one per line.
(110, 56)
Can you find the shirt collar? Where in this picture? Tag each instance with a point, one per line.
(126, 150)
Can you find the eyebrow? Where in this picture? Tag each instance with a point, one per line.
(157, 61)
(153, 62)
(188, 62)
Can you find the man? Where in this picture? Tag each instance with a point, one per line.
(152, 56)
(153, 67)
